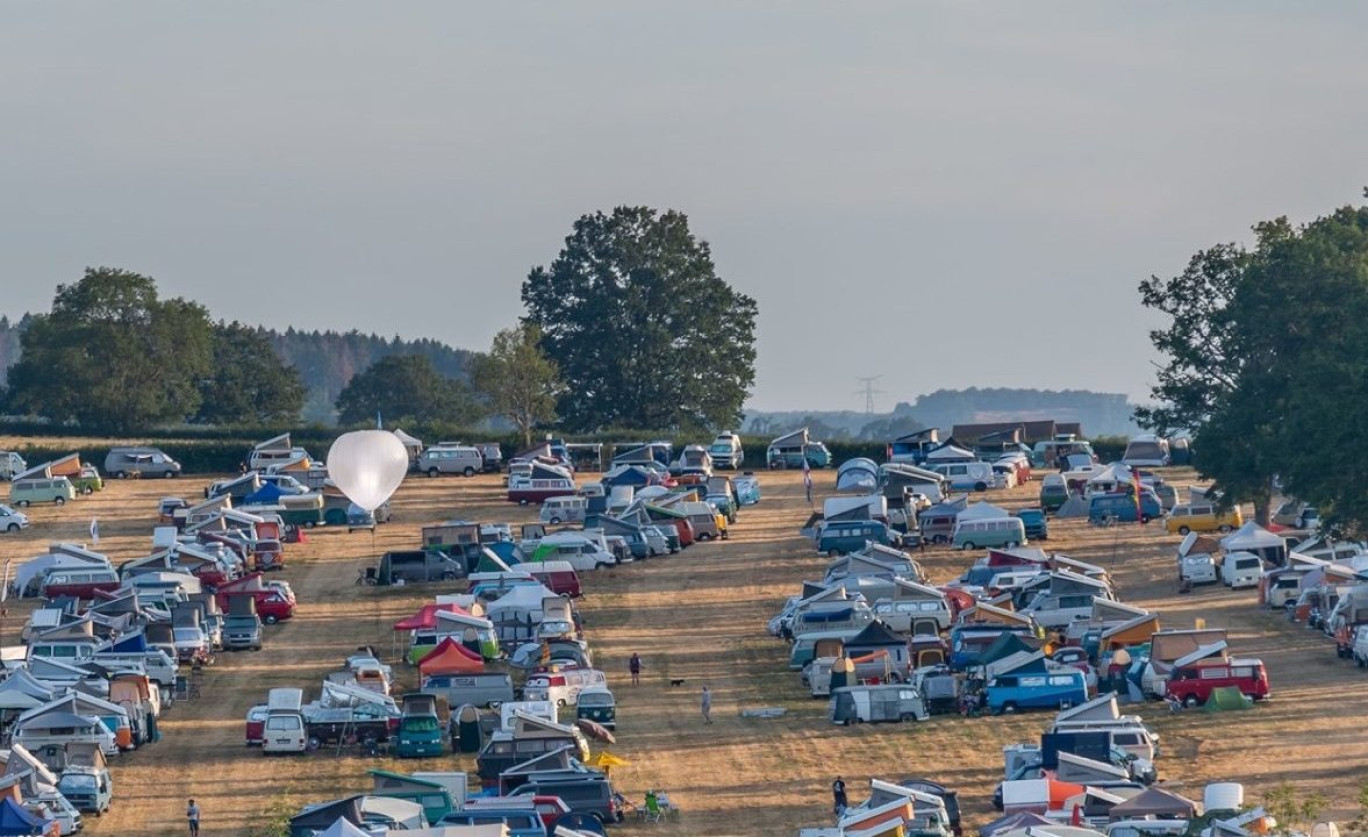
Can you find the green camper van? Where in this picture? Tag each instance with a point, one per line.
(26, 492)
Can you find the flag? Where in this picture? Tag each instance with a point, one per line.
(94, 532)
(807, 474)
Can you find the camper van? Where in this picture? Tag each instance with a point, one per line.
(804, 648)
(26, 492)
(1127, 734)
(989, 533)
(562, 686)
(284, 730)
(726, 452)
(487, 688)
(843, 536)
(10, 464)
(1241, 569)
(872, 704)
(558, 510)
(1122, 508)
(143, 462)
(454, 459)
(1056, 689)
(1192, 684)
(1146, 452)
(1202, 517)
(966, 476)
(80, 582)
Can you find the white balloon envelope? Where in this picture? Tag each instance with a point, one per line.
(368, 465)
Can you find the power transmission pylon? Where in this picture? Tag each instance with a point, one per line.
(868, 391)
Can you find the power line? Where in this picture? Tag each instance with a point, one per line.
(868, 391)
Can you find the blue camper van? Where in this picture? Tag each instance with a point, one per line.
(1057, 689)
(840, 537)
(1121, 508)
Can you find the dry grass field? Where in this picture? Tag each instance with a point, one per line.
(698, 616)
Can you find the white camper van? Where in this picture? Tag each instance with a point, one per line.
(285, 731)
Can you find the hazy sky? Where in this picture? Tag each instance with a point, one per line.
(944, 194)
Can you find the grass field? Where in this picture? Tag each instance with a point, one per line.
(699, 616)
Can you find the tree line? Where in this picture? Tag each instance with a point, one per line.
(629, 327)
(1266, 364)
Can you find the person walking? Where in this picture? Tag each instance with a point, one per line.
(706, 706)
(192, 817)
(634, 666)
(838, 796)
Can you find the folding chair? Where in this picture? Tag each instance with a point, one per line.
(652, 812)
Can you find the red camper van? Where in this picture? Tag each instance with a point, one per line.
(1193, 683)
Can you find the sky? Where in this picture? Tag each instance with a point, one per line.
(944, 195)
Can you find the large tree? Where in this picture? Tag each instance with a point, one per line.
(111, 356)
(406, 388)
(518, 379)
(645, 333)
(249, 384)
(1266, 363)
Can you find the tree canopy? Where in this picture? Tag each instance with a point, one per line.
(249, 383)
(408, 389)
(1267, 363)
(644, 332)
(518, 380)
(113, 356)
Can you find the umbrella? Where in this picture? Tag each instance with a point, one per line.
(596, 730)
(606, 761)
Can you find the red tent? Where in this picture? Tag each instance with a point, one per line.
(427, 617)
(450, 657)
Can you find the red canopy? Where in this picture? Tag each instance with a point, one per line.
(427, 617)
(450, 657)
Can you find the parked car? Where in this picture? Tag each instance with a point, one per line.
(1192, 684)
(1202, 517)
(11, 520)
(520, 821)
(842, 536)
(1054, 491)
(57, 490)
(450, 459)
(989, 533)
(1122, 508)
(1037, 527)
(1057, 689)
(140, 461)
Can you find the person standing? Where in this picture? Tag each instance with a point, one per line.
(706, 705)
(838, 796)
(192, 817)
(634, 666)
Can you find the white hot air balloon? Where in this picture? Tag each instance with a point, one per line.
(368, 465)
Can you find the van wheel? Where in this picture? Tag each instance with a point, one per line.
(23, 504)
(705, 537)
(968, 545)
(13, 527)
(122, 475)
(1145, 519)
(522, 502)
(555, 521)
(1224, 528)
(309, 524)
(1183, 530)
(469, 471)
(87, 491)
(432, 472)
(560, 702)
(168, 475)
(270, 619)
(980, 486)
(1190, 701)
(61, 501)
(1009, 708)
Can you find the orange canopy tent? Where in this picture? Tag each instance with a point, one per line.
(450, 657)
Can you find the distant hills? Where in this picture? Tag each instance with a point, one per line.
(1100, 413)
(326, 360)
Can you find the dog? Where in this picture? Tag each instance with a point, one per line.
(677, 683)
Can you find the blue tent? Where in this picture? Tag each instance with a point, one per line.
(14, 820)
(267, 495)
